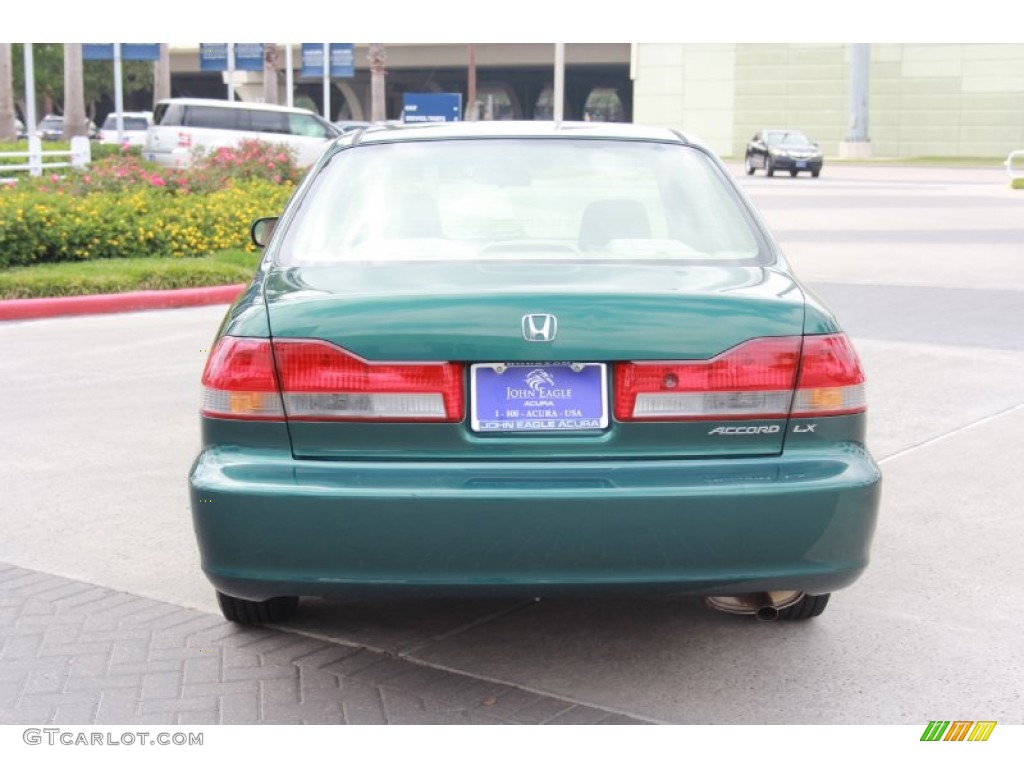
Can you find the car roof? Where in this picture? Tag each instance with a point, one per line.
(235, 105)
(500, 129)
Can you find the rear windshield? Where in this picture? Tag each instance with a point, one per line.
(579, 200)
(130, 123)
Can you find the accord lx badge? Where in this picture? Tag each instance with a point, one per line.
(769, 430)
(540, 327)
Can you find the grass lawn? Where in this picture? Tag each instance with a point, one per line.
(120, 275)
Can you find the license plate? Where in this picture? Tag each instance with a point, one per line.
(150, 157)
(538, 397)
(801, 164)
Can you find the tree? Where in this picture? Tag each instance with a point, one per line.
(74, 92)
(48, 67)
(377, 56)
(7, 132)
(270, 73)
(98, 78)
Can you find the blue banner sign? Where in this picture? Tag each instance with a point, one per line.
(213, 57)
(342, 60)
(431, 107)
(249, 57)
(129, 51)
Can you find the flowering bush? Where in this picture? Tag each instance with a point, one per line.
(250, 159)
(38, 226)
(123, 206)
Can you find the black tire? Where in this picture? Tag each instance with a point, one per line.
(816, 172)
(807, 607)
(793, 172)
(272, 611)
(769, 166)
(749, 166)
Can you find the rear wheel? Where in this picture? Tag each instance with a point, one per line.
(271, 611)
(769, 166)
(793, 172)
(816, 172)
(749, 165)
(807, 607)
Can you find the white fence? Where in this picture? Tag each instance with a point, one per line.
(37, 160)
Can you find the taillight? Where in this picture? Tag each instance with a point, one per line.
(831, 381)
(321, 381)
(769, 378)
(239, 383)
(751, 381)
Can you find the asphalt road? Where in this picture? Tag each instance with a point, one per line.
(926, 269)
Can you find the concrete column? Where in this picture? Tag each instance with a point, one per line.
(858, 144)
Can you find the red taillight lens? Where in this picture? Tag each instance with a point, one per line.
(321, 381)
(831, 380)
(239, 383)
(753, 380)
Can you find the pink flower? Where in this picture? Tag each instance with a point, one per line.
(54, 177)
(157, 181)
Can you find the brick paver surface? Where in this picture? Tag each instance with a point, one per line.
(73, 653)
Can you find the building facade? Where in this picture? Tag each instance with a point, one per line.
(957, 100)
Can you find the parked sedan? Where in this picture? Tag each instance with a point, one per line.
(529, 359)
(783, 151)
(51, 128)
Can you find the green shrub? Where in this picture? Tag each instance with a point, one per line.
(39, 226)
(1017, 183)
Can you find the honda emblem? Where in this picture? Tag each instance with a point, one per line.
(540, 327)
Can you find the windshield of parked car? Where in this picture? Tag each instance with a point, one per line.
(787, 138)
(520, 199)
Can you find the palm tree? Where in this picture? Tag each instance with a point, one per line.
(7, 132)
(377, 56)
(74, 92)
(270, 73)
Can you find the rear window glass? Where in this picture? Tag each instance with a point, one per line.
(130, 123)
(515, 199)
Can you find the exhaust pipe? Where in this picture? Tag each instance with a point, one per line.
(764, 606)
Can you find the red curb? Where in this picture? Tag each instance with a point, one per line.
(31, 309)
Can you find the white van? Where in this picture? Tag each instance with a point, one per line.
(181, 125)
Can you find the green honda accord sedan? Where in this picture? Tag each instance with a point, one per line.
(529, 359)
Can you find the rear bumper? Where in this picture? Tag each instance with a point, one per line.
(270, 525)
(790, 164)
